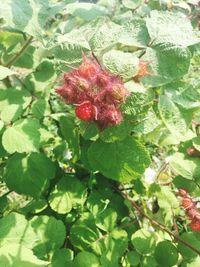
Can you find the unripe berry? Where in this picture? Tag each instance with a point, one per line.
(85, 111)
(193, 152)
(193, 213)
(143, 71)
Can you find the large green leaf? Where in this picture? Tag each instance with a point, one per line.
(122, 161)
(17, 255)
(102, 34)
(121, 63)
(15, 229)
(29, 174)
(143, 241)
(166, 254)
(86, 259)
(86, 11)
(28, 16)
(135, 33)
(51, 234)
(170, 27)
(68, 193)
(14, 96)
(167, 63)
(23, 136)
(186, 166)
(172, 117)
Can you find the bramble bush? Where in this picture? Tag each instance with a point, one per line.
(99, 133)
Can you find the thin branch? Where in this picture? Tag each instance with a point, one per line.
(20, 52)
(161, 226)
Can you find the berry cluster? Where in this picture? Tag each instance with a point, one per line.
(96, 93)
(191, 210)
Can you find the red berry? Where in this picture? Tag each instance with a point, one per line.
(195, 225)
(193, 214)
(187, 203)
(85, 111)
(88, 68)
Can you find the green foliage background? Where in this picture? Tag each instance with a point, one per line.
(65, 188)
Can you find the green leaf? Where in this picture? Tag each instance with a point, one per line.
(106, 220)
(196, 143)
(17, 255)
(167, 63)
(22, 136)
(122, 161)
(121, 63)
(40, 108)
(70, 133)
(51, 234)
(62, 257)
(11, 113)
(84, 233)
(133, 258)
(166, 254)
(172, 117)
(191, 239)
(15, 229)
(86, 11)
(102, 34)
(86, 259)
(5, 72)
(134, 33)
(29, 174)
(14, 96)
(69, 47)
(132, 4)
(68, 193)
(143, 241)
(185, 166)
(170, 27)
(30, 17)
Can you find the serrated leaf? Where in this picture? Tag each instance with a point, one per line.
(185, 166)
(14, 96)
(135, 33)
(30, 174)
(121, 63)
(196, 143)
(167, 63)
(28, 16)
(172, 117)
(17, 255)
(15, 229)
(86, 259)
(86, 11)
(23, 136)
(11, 113)
(102, 34)
(4, 72)
(193, 241)
(122, 161)
(143, 241)
(171, 27)
(166, 254)
(51, 234)
(68, 193)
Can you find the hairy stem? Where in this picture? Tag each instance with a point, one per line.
(19, 53)
(155, 223)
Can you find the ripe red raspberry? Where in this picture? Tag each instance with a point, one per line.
(182, 192)
(86, 111)
(195, 225)
(187, 203)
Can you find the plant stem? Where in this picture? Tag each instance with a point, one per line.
(20, 52)
(161, 226)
